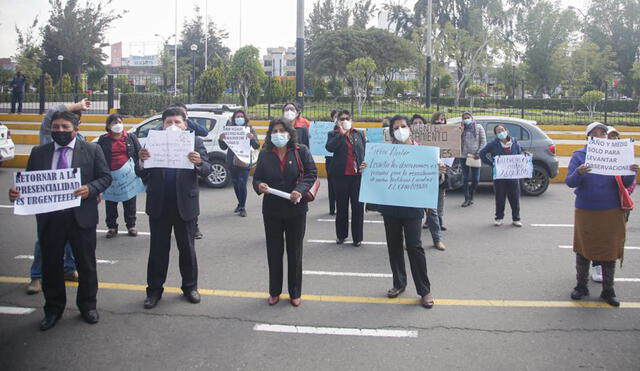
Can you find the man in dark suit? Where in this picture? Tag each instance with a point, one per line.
(173, 203)
(76, 225)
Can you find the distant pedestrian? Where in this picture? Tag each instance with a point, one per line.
(473, 139)
(600, 231)
(17, 91)
(292, 114)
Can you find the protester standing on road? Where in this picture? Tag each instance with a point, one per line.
(404, 223)
(439, 118)
(239, 170)
(285, 166)
(17, 91)
(473, 139)
(327, 162)
(504, 189)
(348, 147)
(292, 115)
(119, 147)
(173, 203)
(599, 232)
(75, 225)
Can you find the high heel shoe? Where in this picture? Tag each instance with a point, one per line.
(273, 300)
(296, 302)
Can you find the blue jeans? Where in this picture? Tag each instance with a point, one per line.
(434, 224)
(239, 178)
(36, 267)
(471, 178)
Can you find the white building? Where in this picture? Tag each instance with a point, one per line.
(279, 62)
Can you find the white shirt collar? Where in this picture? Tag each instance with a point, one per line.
(71, 144)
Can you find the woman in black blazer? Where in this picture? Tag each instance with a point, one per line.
(347, 146)
(285, 166)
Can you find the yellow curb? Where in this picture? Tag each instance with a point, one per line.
(87, 118)
(582, 128)
(83, 126)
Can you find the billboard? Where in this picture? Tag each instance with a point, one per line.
(116, 54)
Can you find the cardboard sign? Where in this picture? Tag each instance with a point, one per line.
(401, 175)
(125, 184)
(236, 138)
(446, 137)
(318, 137)
(169, 149)
(512, 167)
(46, 191)
(610, 157)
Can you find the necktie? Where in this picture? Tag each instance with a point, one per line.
(62, 160)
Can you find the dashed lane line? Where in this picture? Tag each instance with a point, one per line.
(16, 310)
(99, 261)
(342, 331)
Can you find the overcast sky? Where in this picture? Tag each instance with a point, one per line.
(265, 23)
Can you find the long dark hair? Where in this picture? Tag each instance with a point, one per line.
(415, 117)
(233, 117)
(393, 121)
(112, 117)
(293, 138)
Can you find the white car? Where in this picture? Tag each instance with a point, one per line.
(7, 148)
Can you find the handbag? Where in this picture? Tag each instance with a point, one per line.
(626, 203)
(254, 153)
(313, 191)
(471, 161)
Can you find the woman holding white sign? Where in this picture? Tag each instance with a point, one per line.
(284, 174)
(238, 169)
(504, 145)
(600, 230)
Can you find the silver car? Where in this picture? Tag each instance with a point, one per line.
(531, 138)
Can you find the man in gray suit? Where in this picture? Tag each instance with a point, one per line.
(173, 203)
(76, 225)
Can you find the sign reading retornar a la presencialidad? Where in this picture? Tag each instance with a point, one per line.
(610, 157)
(46, 191)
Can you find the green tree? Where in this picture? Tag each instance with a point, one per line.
(584, 67)
(48, 84)
(326, 16)
(211, 85)
(95, 76)
(591, 99)
(66, 83)
(29, 55)
(246, 72)
(360, 71)
(473, 91)
(363, 12)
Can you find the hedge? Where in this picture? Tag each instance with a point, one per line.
(145, 104)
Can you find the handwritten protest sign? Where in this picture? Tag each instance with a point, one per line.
(447, 137)
(318, 137)
(375, 135)
(125, 184)
(400, 175)
(169, 149)
(236, 138)
(512, 167)
(610, 157)
(387, 135)
(47, 190)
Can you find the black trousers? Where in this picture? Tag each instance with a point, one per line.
(129, 208)
(62, 227)
(332, 194)
(412, 229)
(347, 190)
(16, 98)
(507, 189)
(279, 231)
(158, 264)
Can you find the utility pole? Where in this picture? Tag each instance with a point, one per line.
(206, 32)
(175, 55)
(427, 78)
(300, 55)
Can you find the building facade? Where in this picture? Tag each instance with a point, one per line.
(280, 62)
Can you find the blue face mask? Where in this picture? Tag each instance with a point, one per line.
(467, 121)
(280, 139)
(240, 121)
(502, 135)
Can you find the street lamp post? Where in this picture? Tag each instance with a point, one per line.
(427, 83)
(60, 59)
(300, 54)
(194, 49)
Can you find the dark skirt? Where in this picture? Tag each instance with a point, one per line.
(599, 234)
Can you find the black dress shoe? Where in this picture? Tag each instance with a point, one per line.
(151, 302)
(91, 316)
(49, 321)
(579, 293)
(357, 244)
(466, 203)
(339, 241)
(609, 297)
(193, 296)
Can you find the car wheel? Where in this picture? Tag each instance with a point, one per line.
(538, 183)
(219, 177)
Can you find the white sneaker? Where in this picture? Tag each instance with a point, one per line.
(596, 273)
(517, 223)
(497, 222)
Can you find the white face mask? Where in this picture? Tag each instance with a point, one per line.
(117, 128)
(346, 125)
(290, 115)
(402, 134)
(173, 128)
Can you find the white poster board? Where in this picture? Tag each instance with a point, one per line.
(513, 167)
(610, 157)
(236, 138)
(169, 149)
(46, 191)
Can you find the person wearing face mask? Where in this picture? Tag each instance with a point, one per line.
(328, 160)
(504, 189)
(239, 172)
(173, 203)
(348, 147)
(439, 118)
(599, 227)
(285, 166)
(76, 225)
(473, 139)
(292, 115)
(118, 147)
(403, 223)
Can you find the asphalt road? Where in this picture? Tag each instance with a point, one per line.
(502, 299)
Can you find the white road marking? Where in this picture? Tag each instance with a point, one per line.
(365, 221)
(347, 242)
(553, 225)
(99, 261)
(626, 247)
(335, 331)
(627, 279)
(347, 274)
(6, 206)
(124, 232)
(16, 310)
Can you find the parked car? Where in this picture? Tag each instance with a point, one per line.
(532, 139)
(214, 121)
(7, 148)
